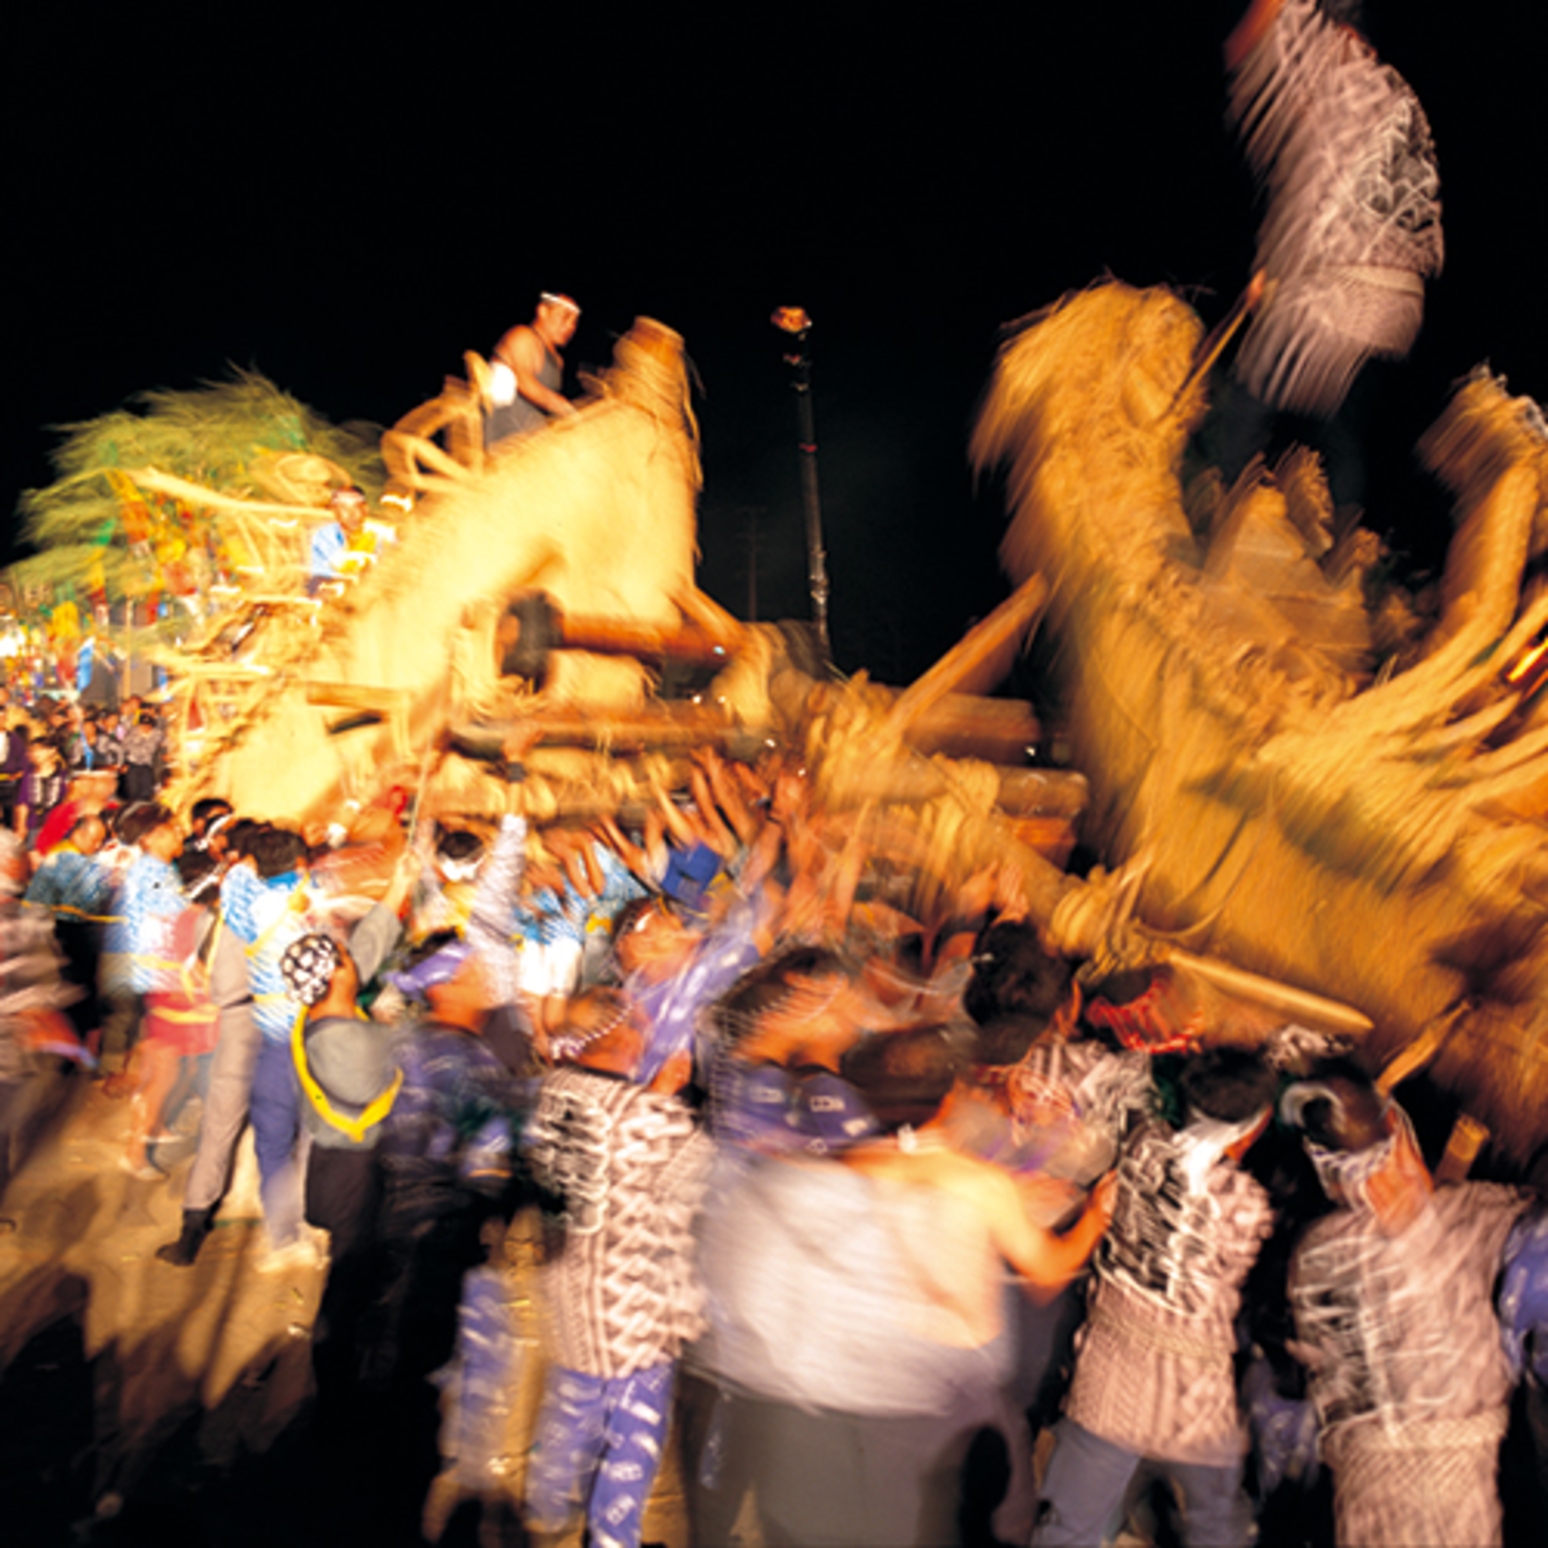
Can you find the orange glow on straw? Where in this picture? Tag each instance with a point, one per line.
(1527, 662)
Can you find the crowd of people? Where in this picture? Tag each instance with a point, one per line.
(833, 1193)
(43, 752)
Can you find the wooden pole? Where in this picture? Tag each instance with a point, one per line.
(982, 649)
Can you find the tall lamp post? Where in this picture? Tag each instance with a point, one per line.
(792, 320)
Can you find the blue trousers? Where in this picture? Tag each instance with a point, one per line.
(274, 1109)
(599, 1443)
(1088, 1478)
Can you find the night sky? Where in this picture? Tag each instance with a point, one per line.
(347, 203)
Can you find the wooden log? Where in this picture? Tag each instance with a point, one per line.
(958, 725)
(962, 725)
(977, 660)
(220, 670)
(356, 696)
(1080, 919)
(660, 728)
(625, 637)
(1295, 1005)
(197, 495)
(534, 626)
(1022, 792)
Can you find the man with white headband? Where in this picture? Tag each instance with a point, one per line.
(528, 369)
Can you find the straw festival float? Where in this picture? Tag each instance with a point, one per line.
(1294, 788)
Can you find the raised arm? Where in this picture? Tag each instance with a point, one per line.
(1046, 1260)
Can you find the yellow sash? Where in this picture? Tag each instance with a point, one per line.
(355, 1128)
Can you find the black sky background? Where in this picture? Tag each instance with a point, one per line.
(346, 202)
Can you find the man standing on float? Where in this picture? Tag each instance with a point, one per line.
(528, 370)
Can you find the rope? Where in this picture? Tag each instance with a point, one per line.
(1159, 1338)
(1473, 1432)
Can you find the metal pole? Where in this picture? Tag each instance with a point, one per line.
(752, 566)
(795, 322)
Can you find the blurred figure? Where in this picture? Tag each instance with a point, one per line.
(527, 371)
(1523, 1304)
(771, 1051)
(144, 745)
(858, 1330)
(446, 1150)
(1155, 1378)
(237, 1041)
(1042, 1095)
(42, 789)
(674, 969)
(624, 1165)
(202, 863)
(1393, 1301)
(447, 890)
(77, 890)
(13, 761)
(176, 1042)
(30, 994)
(481, 1412)
(348, 1069)
(121, 1005)
(1352, 228)
(73, 744)
(151, 903)
(266, 907)
(207, 819)
(80, 798)
(106, 751)
(169, 942)
(342, 548)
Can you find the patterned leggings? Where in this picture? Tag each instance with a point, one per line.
(599, 1443)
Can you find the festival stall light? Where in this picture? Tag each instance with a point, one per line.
(791, 319)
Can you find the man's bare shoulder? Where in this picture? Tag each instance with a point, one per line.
(518, 343)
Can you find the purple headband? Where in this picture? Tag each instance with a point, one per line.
(437, 968)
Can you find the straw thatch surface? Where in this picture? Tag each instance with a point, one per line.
(1377, 840)
(597, 510)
